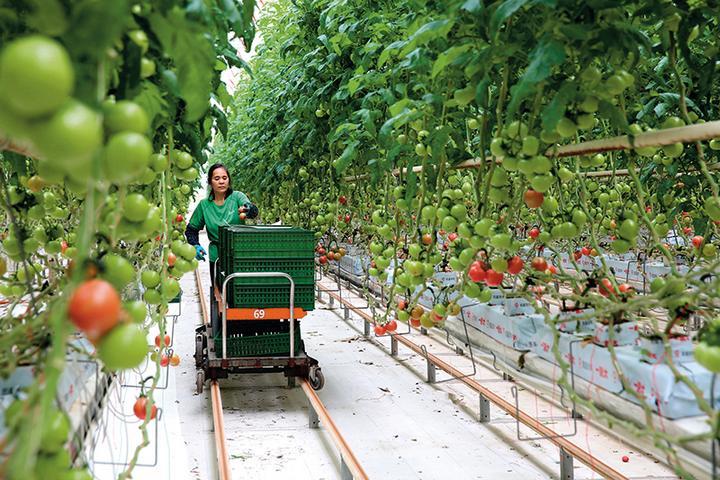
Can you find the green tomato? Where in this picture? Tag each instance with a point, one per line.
(54, 432)
(124, 347)
(136, 207)
(449, 223)
(126, 116)
(150, 278)
(501, 241)
(71, 135)
(566, 127)
(708, 356)
(36, 76)
(530, 146)
(629, 229)
(565, 174)
(499, 264)
(137, 310)
(126, 156)
(542, 183)
(117, 270)
(159, 162)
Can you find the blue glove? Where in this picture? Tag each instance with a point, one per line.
(200, 252)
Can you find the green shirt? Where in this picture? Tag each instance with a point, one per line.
(208, 214)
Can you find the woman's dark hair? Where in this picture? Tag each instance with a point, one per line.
(210, 175)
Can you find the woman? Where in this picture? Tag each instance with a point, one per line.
(222, 207)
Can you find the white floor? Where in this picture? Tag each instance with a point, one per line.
(399, 426)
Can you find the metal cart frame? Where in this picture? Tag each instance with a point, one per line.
(213, 365)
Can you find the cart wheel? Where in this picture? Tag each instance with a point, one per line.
(316, 378)
(200, 382)
(199, 350)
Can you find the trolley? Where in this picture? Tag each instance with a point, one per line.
(257, 334)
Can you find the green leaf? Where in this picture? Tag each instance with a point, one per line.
(96, 26)
(389, 50)
(427, 33)
(347, 157)
(556, 108)
(509, 7)
(398, 121)
(472, 6)
(151, 100)
(547, 54)
(193, 55)
(48, 17)
(614, 114)
(220, 120)
(447, 57)
(399, 106)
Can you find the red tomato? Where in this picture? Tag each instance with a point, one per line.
(625, 288)
(379, 330)
(577, 254)
(453, 236)
(347, 218)
(402, 304)
(164, 360)
(585, 251)
(552, 269)
(533, 199)
(494, 278)
(697, 241)
(606, 287)
(330, 256)
(415, 322)
(323, 260)
(539, 264)
(687, 230)
(171, 259)
(515, 265)
(321, 251)
(342, 199)
(534, 232)
(391, 326)
(158, 339)
(140, 408)
(94, 307)
(476, 272)
(179, 218)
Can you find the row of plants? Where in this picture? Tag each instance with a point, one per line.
(106, 113)
(358, 113)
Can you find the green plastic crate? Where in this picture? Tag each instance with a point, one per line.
(268, 296)
(262, 344)
(266, 241)
(302, 270)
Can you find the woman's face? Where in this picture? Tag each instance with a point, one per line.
(219, 181)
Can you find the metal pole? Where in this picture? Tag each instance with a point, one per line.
(566, 465)
(484, 409)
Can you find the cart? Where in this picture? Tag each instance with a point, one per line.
(254, 339)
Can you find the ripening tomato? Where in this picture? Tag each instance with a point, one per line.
(379, 330)
(625, 288)
(539, 264)
(426, 239)
(402, 304)
(417, 312)
(140, 408)
(533, 199)
(391, 326)
(697, 241)
(415, 322)
(175, 360)
(172, 258)
(552, 269)
(515, 265)
(94, 307)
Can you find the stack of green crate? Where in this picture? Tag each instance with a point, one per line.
(268, 248)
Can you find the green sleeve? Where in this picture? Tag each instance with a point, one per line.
(197, 220)
(242, 199)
